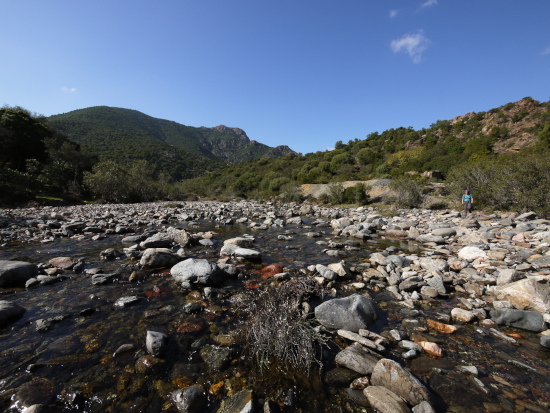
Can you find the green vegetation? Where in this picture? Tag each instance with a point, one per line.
(139, 159)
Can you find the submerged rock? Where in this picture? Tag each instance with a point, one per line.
(16, 273)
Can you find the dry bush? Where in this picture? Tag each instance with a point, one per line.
(279, 330)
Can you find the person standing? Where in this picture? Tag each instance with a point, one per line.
(467, 201)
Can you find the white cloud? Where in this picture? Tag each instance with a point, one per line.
(412, 44)
(428, 3)
(66, 89)
(394, 13)
(546, 51)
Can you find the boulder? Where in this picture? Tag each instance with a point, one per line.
(349, 313)
(326, 272)
(159, 258)
(179, 236)
(357, 358)
(197, 271)
(9, 312)
(526, 320)
(527, 294)
(384, 400)
(16, 273)
(391, 375)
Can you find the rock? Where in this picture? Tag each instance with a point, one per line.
(100, 279)
(434, 265)
(411, 283)
(357, 358)
(437, 283)
(37, 391)
(526, 320)
(64, 263)
(126, 301)
(9, 312)
(179, 236)
(425, 238)
(463, 316)
(217, 358)
(384, 400)
(340, 269)
(190, 399)
(326, 272)
(423, 407)
(241, 402)
(440, 327)
(110, 254)
(247, 253)
(395, 378)
(158, 240)
(243, 242)
(155, 343)
(444, 232)
(545, 341)
(470, 253)
(508, 275)
(527, 294)
(350, 313)
(197, 271)
(431, 348)
(541, 262)
(16, 273)
(159, 258)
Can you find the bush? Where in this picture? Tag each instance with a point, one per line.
(407, 193)
(279, 331)
(517, 182)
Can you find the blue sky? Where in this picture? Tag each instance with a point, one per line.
(302, 73)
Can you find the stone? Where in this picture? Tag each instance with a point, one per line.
(444, 232)
(423, 407)
(158, 240)
(360, 339)
(349, 313)
(470, 253)
(326, 272)
(508, 275)
(126, 301)
(190, 399)
(64, 263)
(179, 236)
(527, 294)
(431, 348)
(247, 253)
(425, 238)
(217, 358)
(391, 375)
(9, 312)
(440, 327)
(545, 341)
(357, 358)
(463, 316)
(159, 258)
(526, 320)
(434, 264)
(241, 402)
(16, 273)
(197, 271)
(155, 343)
(384, 400)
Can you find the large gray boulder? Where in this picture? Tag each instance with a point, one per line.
(16, 273)
(9, 312)
(351, 313)
(391, 375)
(197, 271)
(526, 320)
(159, 240)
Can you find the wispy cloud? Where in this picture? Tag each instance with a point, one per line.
(413, 44)
(428, 3)
(394, 13)
(545, 51)
(66, 89)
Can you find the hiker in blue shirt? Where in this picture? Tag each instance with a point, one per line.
(467, 201)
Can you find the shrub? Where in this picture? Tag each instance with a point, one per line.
(278, 330)
(406, 193)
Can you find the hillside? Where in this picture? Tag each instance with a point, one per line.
(516, 127)
(116, 133)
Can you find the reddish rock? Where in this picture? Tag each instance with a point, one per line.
(270, 270)
(441, 327)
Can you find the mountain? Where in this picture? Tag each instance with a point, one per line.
(125, 134)
(519, 128)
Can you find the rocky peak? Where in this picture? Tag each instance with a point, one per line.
(225, 129)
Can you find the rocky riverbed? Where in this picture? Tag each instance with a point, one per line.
(146, 308)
